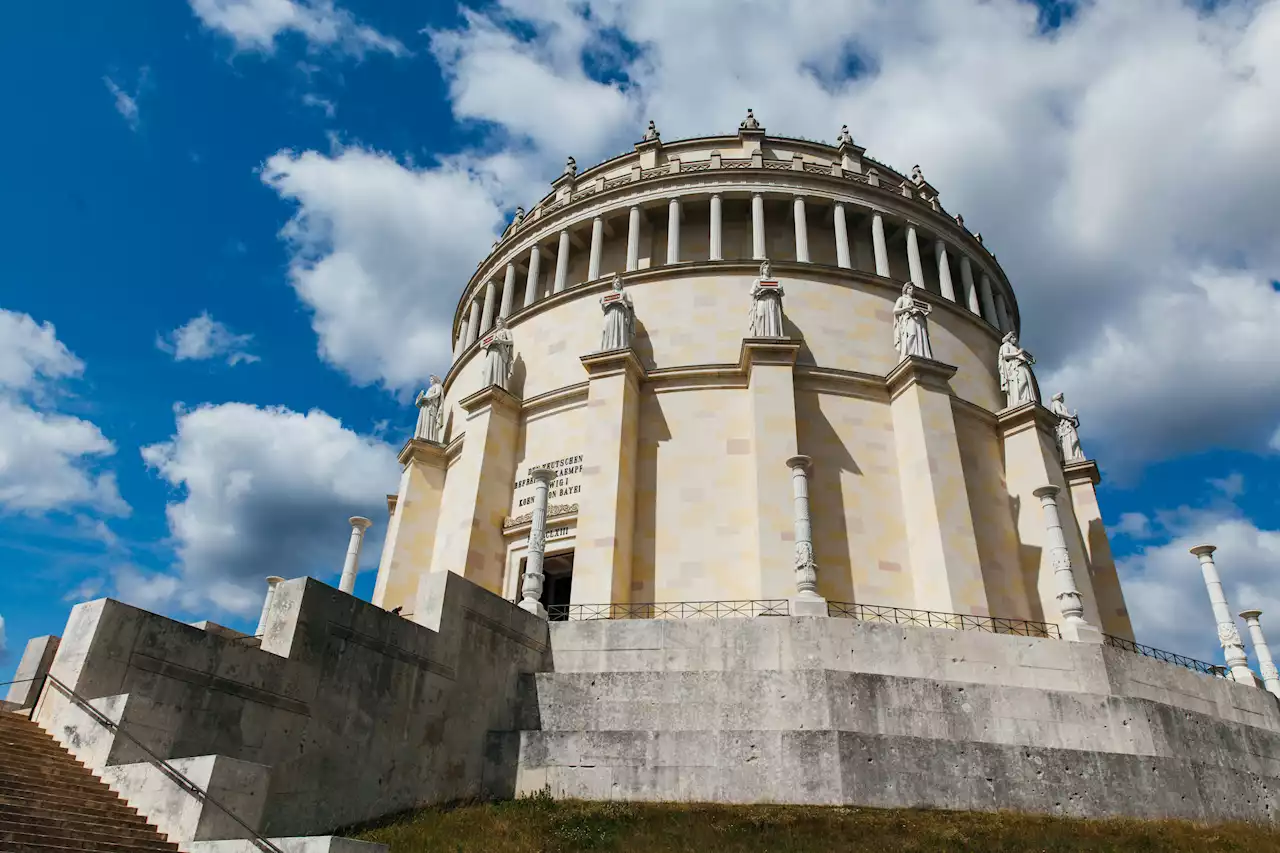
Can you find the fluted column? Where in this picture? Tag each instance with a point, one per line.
(473, 323)
(717, 229)
(1071, 603)
(531, 589)
(807, 602)
(633, 239)
(272, 582)
(508, 291)
(1228, 633)
(1266, 666)
(988, 301)
(757, 227)
(842, 237)
(966, 281)
(878, 244)
(597, 246)
(531, 280)
(916, 269)
(490, 297)
(673, 231)
(802, 230)
(945, 287)
(351, 565)
(562, 262)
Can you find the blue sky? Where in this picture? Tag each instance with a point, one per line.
(316, 181)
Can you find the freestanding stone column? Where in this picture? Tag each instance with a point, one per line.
(266, 604)
(988, 301)
(633, 238)
(916, 269)
(1228, 633)
(359, 525)
(842, 236)
(802, 230)
(597, 246)
(1266, 666)
(673, 231)
(531, 281)
(966, 281)
(508, 291)
(806, 601)
(878, 244)
(757, 227)
(717, 229)
(945, 286)
(562, 262)
(473, 323)
(531, 589)
(1070, 602)
(490, 297)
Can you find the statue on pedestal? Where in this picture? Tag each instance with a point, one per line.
(430, 411)
(651, 133)
(570, 166)
(845, 138)
(749, 123)
(1068, 434)
(766, 304)
(910, 329)
(1016, 381)
(917, 175)
(499, 356)
(619, 318)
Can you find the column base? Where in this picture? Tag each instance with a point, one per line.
(1080, 632)
(529, 605)
(807, 605)
(1244, 675)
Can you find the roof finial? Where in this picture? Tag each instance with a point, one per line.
(749, 123)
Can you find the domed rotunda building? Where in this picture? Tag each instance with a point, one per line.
(670, 457)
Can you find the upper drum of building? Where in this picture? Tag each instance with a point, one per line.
(721, 181)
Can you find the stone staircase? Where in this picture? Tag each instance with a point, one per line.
(49, 801)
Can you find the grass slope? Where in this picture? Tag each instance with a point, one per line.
(540, 824)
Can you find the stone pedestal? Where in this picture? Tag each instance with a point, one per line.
(945, 568)
(1031, 461)
(606, 513)
(411, 530)
(37, 659)
(477, 491)
(769, 364)
(1082, 478)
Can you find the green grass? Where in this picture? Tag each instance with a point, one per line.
(540, 824)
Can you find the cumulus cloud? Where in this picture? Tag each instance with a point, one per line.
(261, 491)
(48, 460)
(256, 24)
(1121, 166)
(202, 338)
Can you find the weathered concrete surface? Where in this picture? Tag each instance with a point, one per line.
(837, 711)
(345, 713)
(37, 657)
(310, 844)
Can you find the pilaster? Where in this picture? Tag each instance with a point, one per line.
(1082, 478)
(411, 531)
(606, 513)
(946, 571)
(1031, 461)
(477, 491)
(769, 364)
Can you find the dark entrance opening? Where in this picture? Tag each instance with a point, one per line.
(557, 570)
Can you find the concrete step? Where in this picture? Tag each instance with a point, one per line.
(55, 794)
(17, 762)
(18, 807)
(42, 841)
(104, 829)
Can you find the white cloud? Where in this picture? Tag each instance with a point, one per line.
(262, 491)
(126, 103)
(1135, 525)
(1121, 166)
(256, 24)
(328, 107)
(202, 338)
(48, 460)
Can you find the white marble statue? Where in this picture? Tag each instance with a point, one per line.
(570, 166)
(651, 133)
(910, 328)
(619, 318)
(766, 305)
(499, 356)
(430, 411)
(1068, 430)
(917, 175)
(749, 123)
(845, 138)
(1016, 381)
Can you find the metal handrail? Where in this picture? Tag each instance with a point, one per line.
(172, 773)
(939, 619)
(667, 610)
(1203, 667)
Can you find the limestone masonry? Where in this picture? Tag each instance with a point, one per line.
(739, 488)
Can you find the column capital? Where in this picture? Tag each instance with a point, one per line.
(1204, 550)
(359, 522)
(800, 461)
(491, 397)
(1047, 491)
(1085, 469)
(601, 364)
(422, 452)
(1244, 614)
(542, 475)
(913, 370)
(779, 351)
